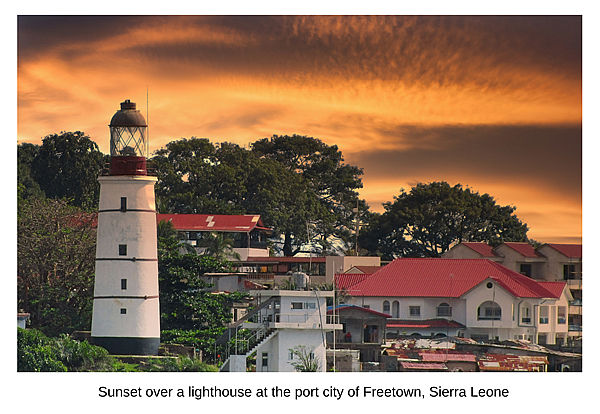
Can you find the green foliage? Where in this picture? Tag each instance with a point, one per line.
(218, 245)
(331, 186)
(67, 165)
(55, 265)
(180, 364)
(190, 313)
(304, 359)
(26, 184)
(431, 218)
(36, 352)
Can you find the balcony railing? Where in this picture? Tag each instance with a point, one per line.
(525, 320)
(543, 320)
(575, 328)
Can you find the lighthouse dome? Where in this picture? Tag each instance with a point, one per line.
(128, 116)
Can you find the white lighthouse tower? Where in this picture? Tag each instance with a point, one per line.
(126, 316)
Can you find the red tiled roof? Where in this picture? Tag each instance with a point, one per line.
(345, 281)
(572, 251)
(525, 249)
(483, 249)
(424, 323)
(213, 222)
(556, 288)
(445, 278)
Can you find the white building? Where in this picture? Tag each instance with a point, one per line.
(549, 262)
(126, 317)
(283, 321)
(475, 298)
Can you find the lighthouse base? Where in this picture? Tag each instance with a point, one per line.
(117, 345)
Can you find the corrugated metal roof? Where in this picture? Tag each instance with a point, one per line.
(425, 323)
(345, 307)
(369, 270)
(446, 356)
(445, 278)
(423, 365)
(212, 222)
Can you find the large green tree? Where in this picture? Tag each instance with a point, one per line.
(333, 183)
(67, 165)
(431, 218)
(27, 186)
(55, 264)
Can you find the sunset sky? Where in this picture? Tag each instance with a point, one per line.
(493, 103)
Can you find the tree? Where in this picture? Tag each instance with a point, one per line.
(431, 218)
(219, 246)
(55, 264)
(304, 359)
(26, 184)
(197, 177)
(67, 165)
(333, 183)
(190, 312)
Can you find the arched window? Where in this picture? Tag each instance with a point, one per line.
(395, 309)
(444, 309)
(489, 311)
(386, 306)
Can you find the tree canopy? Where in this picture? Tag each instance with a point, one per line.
(56, 246)
(431, 218)
(66, 165)
(328, 178)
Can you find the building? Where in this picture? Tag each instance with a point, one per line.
(550, 262)
(282, 322)
(247, 231)
(363, 329)
(126, 317)
(474, 298)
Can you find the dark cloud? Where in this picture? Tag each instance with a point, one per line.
(430, 50)
(529, 156)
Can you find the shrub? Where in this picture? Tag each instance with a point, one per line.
(37, 352)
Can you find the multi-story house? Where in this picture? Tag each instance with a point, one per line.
(475, 298)
(549, 262)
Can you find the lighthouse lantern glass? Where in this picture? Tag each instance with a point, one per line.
(128, 141)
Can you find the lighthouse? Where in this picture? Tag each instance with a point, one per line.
(126, 316)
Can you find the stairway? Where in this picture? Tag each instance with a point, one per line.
(269, 333)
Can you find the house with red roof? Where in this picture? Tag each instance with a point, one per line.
(475, 298)
(247, 230)
(549, 262)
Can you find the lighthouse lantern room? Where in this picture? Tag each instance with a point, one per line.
(126, 316)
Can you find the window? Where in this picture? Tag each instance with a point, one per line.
(395, 309)
(123, 311)
(562, 315)
(265, 359)
(525, 269)
(525, 314)
(543, 315)
(489, 311)
(414, 310)
(123, 284)
(310, 305)
(569, 271)
(444, 309)
(386, 306)
(297, 305)
(122, 250)
(123, 204)
(291, 354)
